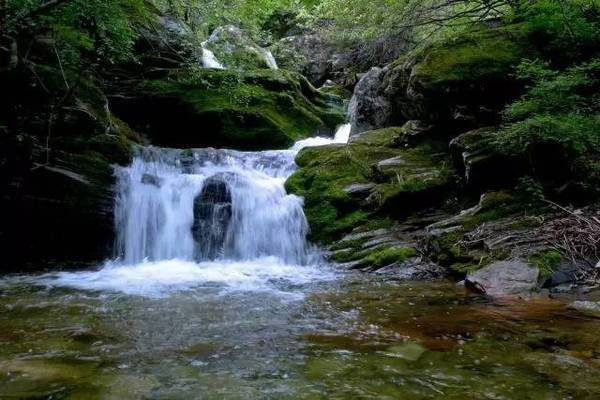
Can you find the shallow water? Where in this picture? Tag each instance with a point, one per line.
(310, 334)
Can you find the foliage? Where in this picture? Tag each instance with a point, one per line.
(98, 30)
(560, 106)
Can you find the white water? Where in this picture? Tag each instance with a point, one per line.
(209, 60)
(269, 58)
(265, 240)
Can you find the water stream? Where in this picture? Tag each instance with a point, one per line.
(214, 293)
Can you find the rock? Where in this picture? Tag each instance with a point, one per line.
(593, 306)
(414, 269)
(316, 57)
(504, 278)
(51, 199)
(435, 86)
(369, 107)
(407, 351)
(481, 162)
(391, 162)
(245, 110)
(212, 215)
(361, 190)
(153, 180)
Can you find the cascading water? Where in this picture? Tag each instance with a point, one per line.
(189, 217)
(209, 60)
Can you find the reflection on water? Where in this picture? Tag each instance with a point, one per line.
(358, 337)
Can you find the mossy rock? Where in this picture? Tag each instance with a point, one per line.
(462, 81)
(253, 110)
(326, 173)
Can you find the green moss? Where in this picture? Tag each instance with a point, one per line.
(254, 109)
(546, 261)
(389, 256)
(325, 172)
(482, 53)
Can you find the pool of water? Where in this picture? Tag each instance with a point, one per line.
(336, 335)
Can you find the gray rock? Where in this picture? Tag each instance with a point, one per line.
(593, 306)
(504, 278)
(153, 180)
(369, 107)
(415, 269)
(359, 189)
(391, 162)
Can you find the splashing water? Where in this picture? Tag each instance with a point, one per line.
(186, 218)
(209, 60)
(269, 59)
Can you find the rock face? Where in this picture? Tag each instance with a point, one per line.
(57, 202)
(504, 278)
(212, 215)
(445, 83)
(252, 110)
(370, 108)
(313, 56)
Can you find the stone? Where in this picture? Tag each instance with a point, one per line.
(361, 190)
(212, 215)
(152, 180)
(414, 269)
(504, 278)
(369, 108)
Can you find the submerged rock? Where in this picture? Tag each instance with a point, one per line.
(504, 278)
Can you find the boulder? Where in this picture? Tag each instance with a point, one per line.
(369, 107)
(504, 278)
(446, 83)
(246, 110)
(212, 215)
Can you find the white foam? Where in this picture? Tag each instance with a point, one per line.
(161, 278)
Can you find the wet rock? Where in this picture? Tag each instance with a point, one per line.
(593, 306)
(369, 108)
(504, 278)
(212, 215)
(153, 180)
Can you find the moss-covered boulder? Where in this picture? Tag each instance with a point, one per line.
(462, 81)
(250, 110)
(373, 176)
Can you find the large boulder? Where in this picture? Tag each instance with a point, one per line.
(504, 278)
(212, 215)
(252, 110)
(369, 107)
(447, 82)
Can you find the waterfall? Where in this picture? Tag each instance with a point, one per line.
(209, 60)
(269, 59)
(207, 204)
(216, 219)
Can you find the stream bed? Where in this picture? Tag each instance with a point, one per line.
(285, 333)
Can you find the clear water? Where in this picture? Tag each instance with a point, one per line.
(357, 337)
